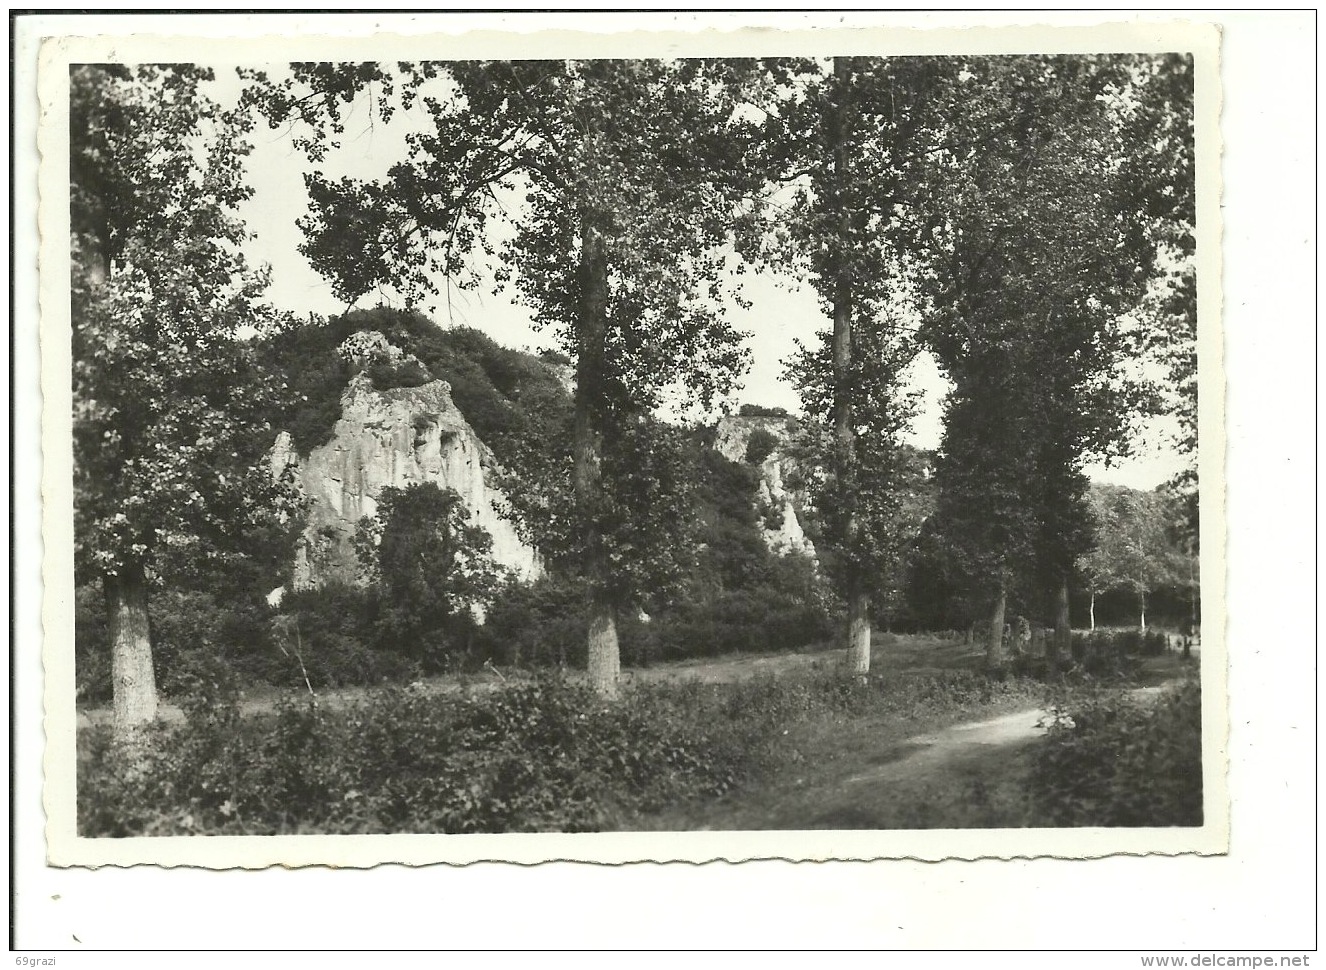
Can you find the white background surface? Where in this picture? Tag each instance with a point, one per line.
(1260, 897)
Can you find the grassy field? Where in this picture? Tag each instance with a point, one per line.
(967, 766)
(875, 773)
(893, 654)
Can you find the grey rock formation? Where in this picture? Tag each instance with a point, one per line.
(397, 437)
(413, 435)
(734, 434)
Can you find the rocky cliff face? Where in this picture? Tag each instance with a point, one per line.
(397, 437)
(413, 435)
(775, 498)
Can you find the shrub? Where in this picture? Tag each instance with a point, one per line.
(199, 633)
(740, 621)
(1119, 759)
(772, 515)
(539, 624)
(545, 624)
(782, 607)
(329, 633)
(194, 633)
(1154, 643)
(390, 374)
(760, 446)
(1103, 652)
(430, 566)
(548, 755)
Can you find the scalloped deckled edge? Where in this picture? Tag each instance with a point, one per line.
(224, 852)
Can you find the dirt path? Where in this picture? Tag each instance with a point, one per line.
(915, 654)
(968, 775)
(929, 755)
(721, 670)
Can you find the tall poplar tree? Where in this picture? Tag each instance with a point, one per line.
(618, 185)
(168, 437)
(1035, 317)
(852, 143)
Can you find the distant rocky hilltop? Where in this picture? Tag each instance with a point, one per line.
(396, 437)
(400, 436)
(781, 504)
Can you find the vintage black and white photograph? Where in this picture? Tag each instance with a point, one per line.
(797, 439)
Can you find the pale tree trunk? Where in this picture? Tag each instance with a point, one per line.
(1092, 610)
(1142, 613)
(994, 648)
(1062, 642)
(605, 664)
(858, 604)
(858, 632)
(604, 660)
(133, 679)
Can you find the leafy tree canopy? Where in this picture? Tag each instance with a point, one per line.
(1137, 547)
(171, 403)
(540, 145)
(1043, 254)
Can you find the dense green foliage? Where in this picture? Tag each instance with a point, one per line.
(1047, 256)
(1119, 643)
(1100, 655)
(733, 595)
(541, 756)
(428, 570)
(169, 405)
(787, 608)
(223, 636)
(1113, 759)
(760, 445)
(511, 399)
(331, 637)
(538, 757)
(539, 624)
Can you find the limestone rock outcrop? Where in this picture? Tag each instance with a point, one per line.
(396, 437)
(415, 434)
(775, 497)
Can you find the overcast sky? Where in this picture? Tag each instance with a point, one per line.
(781, 310)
